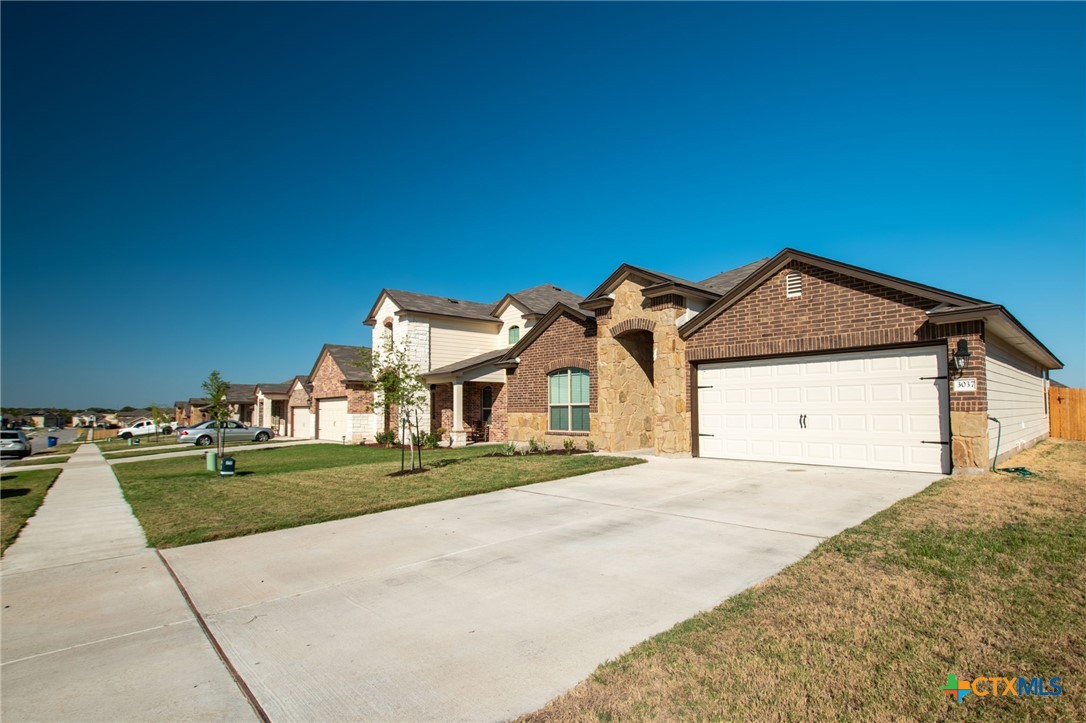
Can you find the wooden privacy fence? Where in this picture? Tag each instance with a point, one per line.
(1067, 413)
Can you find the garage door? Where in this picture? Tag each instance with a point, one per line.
(332, 419)
(301, 423)
(882, 410)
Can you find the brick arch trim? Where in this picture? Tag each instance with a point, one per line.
(567, 362)
(635, 324)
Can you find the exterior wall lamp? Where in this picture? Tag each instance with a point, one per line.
(961, 356)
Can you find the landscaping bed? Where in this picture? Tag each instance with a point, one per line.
(977, 576)
(179, 502)
(21, 493)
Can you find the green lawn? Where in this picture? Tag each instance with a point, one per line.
(21, 493)
(143, 450)
(179, 502)
(977, 576)
(31, 461)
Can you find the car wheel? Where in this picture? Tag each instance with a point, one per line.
(203, 441)
(126, 435)
(263, 437)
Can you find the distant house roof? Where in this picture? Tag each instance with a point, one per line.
(134, 414)
(711, 288)
(241, 394)
(302, 379)
(440, 305)
(277, 388)
(348, 359)
(538, 299)
(725, 281)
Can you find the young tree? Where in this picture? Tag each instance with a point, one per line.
(158, 416)
(399, 382)
(215, 387)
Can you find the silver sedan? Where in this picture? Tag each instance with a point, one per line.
(205, 434)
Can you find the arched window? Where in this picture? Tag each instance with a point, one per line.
(568, 400)
(514, 335)
(487, 404)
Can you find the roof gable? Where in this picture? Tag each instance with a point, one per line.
(538, 300)
(541, 326)
(345, 358)
(769, 268)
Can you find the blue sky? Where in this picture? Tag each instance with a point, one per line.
(200, 186)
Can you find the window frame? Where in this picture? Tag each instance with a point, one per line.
(486, 411)
(514, 330)
(569, 405)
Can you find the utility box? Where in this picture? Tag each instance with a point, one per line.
(227, 467)
(212, 461)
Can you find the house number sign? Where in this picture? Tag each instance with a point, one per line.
(965, 385)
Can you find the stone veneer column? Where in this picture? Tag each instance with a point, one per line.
(458, 434)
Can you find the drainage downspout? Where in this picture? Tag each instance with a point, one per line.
(999, 438)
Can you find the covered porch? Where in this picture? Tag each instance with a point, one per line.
(468, 400)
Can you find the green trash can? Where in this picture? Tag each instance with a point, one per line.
(212, 461)
(227, 467)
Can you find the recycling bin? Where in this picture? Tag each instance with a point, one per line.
(52, 441)
(227, 467)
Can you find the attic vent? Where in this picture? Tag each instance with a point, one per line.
(793, 284)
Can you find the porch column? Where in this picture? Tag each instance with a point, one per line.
(458, 434)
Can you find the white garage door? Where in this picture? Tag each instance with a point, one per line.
(301, 423)
(332, 419)
(882, 410)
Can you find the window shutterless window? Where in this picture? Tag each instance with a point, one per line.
(568, 393)
(514, 335)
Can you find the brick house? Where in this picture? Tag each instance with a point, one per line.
(341, 396)
(457, 343)
(795, 359)
(272, 409)
(299, 409)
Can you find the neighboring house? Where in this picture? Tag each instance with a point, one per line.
(242, 401)
(42, 418)
(272, 406)
(457, 344)
(190, 412)
(795, 359)
(341, 392)
(88, 419)
(127, 419)
(299, 405)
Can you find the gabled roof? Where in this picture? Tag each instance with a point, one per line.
(304, 381)
(661, 283)
(509, 357)
(410, 301)
(277, 388)
(725, 281)
(950, 307)
(538, 300)
(347, 358)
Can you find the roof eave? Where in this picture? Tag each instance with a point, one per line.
(998, 320)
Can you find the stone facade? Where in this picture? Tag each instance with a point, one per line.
(567, 342)
(643, 373)
(836, 312)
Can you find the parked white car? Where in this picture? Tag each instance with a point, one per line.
(143, 427)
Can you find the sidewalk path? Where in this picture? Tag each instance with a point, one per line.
(93, 625)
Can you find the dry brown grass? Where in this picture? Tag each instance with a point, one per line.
(977, 576)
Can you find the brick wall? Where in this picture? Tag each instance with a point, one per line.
(299, 397)
(840, 313)
(442, 415)
(567, 342)
(329, 383)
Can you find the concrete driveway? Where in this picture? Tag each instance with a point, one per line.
(486, 607)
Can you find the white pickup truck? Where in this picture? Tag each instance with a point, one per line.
(145, 426)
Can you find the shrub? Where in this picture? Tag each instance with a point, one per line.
(386, 438)
(568, 444)
(533, 446)
(590, 445)
(510, 449)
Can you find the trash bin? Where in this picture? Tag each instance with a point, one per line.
(227, 467)
(212, 461)
(136, 441)
(52, 441)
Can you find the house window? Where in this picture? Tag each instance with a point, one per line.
(514, 335)
(568, 400)
(793, 284)
(488, 404)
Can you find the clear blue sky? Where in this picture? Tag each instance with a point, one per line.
(200, 186)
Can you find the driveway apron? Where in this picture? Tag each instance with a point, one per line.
(94, 627)
(486, 607)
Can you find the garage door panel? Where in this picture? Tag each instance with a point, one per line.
(332, 419)
(867, 409)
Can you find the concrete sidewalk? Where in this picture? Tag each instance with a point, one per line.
(93, 625)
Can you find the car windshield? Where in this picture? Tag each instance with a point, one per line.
(9, 435)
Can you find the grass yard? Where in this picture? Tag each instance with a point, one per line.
(31, 461)
(979, 576)
(143, 451)
(21, 493)
(179, 502)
